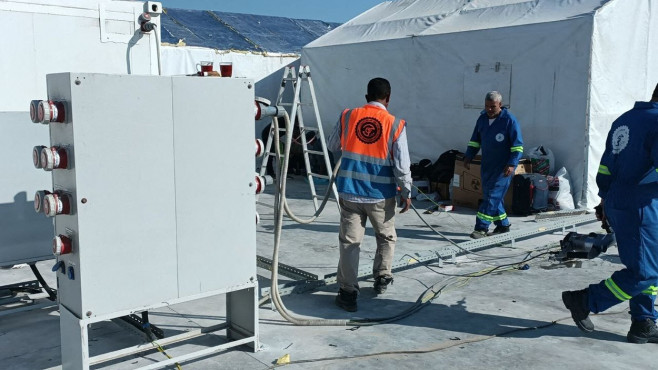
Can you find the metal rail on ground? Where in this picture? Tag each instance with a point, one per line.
(445, 252)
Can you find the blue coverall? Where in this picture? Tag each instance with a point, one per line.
(627, 184)
(502, 146)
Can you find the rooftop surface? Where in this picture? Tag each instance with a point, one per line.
(507, 318)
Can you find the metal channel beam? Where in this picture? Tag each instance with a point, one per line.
(285, 270)
(449, 251)
(557, 214)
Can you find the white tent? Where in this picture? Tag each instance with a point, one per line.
(566, 69)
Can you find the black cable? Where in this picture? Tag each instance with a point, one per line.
(419, 304)
(439, 347)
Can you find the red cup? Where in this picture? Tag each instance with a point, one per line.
(226, 69)
(204, 67)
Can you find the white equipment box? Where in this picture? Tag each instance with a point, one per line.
(158, 182)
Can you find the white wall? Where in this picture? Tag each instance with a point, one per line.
(41, 39)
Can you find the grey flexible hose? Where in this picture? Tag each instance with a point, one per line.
(279, 204)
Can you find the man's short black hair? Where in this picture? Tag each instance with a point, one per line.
(378, 88)
(655, 93)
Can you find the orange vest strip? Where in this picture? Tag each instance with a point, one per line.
(367, 138)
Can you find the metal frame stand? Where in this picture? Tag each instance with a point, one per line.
(241, 328)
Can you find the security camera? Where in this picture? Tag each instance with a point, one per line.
(153, 7)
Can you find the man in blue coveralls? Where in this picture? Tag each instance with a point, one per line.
(628, 188)
(498, 134)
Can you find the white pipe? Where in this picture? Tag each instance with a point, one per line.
(279, 201)
(156, 31)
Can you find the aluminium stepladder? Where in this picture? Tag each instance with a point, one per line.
(303, 78)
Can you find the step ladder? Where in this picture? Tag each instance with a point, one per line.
(297, 81)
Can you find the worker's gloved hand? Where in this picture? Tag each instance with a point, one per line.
(405, 203)
(598, 211)
(508, 171)
(600, 215)
(467, 163)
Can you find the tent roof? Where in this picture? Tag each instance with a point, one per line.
(407, 18)
(225, 31)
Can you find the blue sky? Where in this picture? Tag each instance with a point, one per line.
(327, 10)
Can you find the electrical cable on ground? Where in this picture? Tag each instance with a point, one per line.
(439, 347)
(162, 350)
(442, 345)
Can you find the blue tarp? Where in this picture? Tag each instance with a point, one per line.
(225, 31)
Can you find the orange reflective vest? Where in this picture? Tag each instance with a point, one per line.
(367, 136)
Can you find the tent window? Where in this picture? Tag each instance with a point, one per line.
(482, 78)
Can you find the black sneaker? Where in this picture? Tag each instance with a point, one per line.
(381, 283)
(642, 332)
(576, 302)
(501, 229)
(347, 300)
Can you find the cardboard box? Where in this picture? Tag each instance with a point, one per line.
(467, 183)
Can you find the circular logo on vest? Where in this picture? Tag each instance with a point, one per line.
(620, 139)
(368, 130)
(500, 138)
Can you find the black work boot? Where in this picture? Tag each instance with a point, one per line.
(643, 331)
(478, 234)
(381, 283)
(576, 301)
(500, 229)
(347, 300)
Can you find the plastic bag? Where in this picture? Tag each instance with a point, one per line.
(542, 160)
(564, 199)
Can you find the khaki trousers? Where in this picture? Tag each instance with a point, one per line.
(352, 228)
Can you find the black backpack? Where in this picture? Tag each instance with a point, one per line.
(444, 167)
(419, 170)
(530, 194)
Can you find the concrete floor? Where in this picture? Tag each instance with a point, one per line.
(508, 319)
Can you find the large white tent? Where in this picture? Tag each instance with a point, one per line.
(566, 69)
